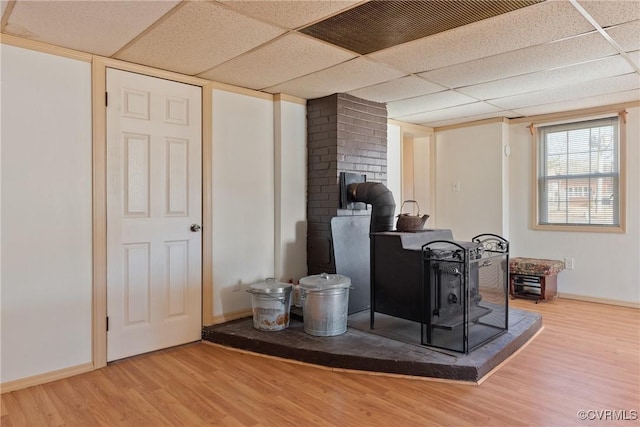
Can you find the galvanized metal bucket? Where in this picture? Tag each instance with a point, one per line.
(325, 304)
(271, 303)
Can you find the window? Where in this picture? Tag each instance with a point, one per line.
(578, 175)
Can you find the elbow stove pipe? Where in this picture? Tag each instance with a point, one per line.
(381, 200)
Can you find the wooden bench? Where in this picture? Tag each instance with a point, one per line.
(534, 278)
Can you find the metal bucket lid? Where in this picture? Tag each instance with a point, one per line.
(325, 281)
(271, 286)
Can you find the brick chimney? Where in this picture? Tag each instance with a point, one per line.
(344, 134)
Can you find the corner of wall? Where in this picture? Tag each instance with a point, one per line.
(506, 156)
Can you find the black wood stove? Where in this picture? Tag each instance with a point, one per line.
(457, 291)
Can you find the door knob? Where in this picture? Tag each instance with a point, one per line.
(195, 228)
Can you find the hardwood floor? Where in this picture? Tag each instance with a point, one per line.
(587, 358)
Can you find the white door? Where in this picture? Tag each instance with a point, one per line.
(154, 211)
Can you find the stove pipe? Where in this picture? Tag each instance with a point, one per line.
(381, 200)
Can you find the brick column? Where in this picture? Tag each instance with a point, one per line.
(345, 134)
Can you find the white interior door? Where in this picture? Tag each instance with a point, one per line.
(154, 211)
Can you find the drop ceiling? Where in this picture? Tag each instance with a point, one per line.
(438, 64)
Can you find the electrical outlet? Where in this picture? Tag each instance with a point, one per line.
(455, 186)
(568, 263)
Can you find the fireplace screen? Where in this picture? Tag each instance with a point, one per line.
(464, 301)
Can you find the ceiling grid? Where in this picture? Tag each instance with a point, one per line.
(434, 63)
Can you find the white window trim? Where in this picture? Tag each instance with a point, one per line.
(535, 220)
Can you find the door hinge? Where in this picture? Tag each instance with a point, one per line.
(107, 323)
(106, 99)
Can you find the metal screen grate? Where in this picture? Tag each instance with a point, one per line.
(380, 24)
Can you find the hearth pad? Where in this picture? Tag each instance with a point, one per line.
(378, 350)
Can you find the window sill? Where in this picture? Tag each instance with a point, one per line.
(580, 228)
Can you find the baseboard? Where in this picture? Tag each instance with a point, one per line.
(599, 300)
(226, 317)
(46, 377)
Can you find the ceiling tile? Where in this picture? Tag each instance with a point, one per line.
(459, 111)
(627, 35)
(430, 102)
(612, 12)
(290, 14)
(405, 87)
(286, 58)
(576, 104)
(536, 58)
(197, 37)
(579, 90)
(607, 67)
(525, 27)
(345, 77)
(100, 27)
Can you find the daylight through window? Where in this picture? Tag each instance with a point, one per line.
(579, 173)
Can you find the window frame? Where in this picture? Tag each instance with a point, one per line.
(622, 177)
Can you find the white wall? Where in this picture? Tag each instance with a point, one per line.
(506, 183)
(495, 197)
(46, 285)
(416, 176)
(291, 190)
(408, 177)
(243, 197)
(469, 180)
(422, 177)
(606, 264)
(394, 163)
(46, 202)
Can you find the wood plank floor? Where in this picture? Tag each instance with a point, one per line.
(586, 358)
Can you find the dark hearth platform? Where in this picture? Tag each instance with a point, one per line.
(392, 347)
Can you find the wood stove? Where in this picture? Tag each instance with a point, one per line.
(457, 291)
(396, 271)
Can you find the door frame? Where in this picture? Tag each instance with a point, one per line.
(99, 158)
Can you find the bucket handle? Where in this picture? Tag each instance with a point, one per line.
(256, 292)
(303, 296)
(312, 290)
